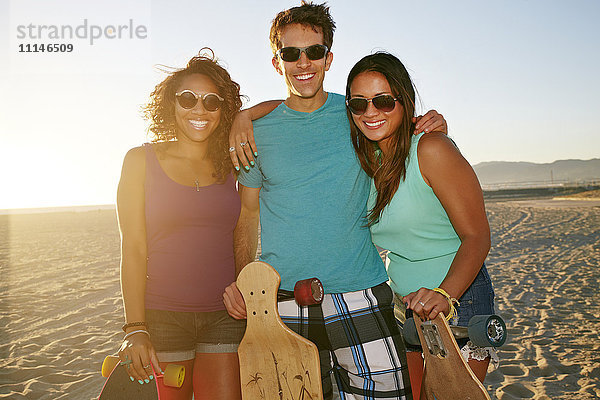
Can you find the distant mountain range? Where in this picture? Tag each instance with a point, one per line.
(503, 172)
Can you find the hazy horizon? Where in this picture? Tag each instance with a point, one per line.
(103, 206)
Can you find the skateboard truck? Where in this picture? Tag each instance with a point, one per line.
(435, 344)
(483, 331)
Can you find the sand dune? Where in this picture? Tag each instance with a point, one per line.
(60, 307)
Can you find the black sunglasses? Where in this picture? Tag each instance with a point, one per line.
(383, 102)
(291, 54)
(188, 100)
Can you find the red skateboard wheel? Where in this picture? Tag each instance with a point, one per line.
(308, 292)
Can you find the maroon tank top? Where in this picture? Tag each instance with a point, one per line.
(190, 241)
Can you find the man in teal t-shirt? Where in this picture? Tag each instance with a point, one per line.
(310, 194)
(312, 203)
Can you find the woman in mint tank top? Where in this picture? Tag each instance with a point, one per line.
(426, 205)
(177, 207)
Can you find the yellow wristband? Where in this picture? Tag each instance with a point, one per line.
(446, 295)
(451, 302)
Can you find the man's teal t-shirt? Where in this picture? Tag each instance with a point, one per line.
(313, 199)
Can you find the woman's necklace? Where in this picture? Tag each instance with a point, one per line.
(192, 169)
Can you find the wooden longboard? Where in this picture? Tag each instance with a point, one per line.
(275, 362)
(447, 375)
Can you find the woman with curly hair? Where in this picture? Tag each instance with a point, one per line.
(177, 208)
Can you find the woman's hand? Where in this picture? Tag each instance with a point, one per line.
(430, 122)
(242, 147)
(138, 353)
(426, 303)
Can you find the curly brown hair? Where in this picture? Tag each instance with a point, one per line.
(160, 111)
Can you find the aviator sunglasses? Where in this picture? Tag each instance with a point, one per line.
(314, 52)
(383, 102)
(188, 100)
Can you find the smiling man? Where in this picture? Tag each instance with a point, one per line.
(302, 59)
(310, 194)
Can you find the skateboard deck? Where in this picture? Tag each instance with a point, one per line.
(446, 375)
(118, 386)
(275, 362)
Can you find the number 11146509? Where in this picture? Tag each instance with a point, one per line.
(45, 48)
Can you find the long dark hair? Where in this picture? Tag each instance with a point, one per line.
(160, 111)
(387, 171)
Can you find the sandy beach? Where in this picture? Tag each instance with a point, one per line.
(544, 263)
(60, 307)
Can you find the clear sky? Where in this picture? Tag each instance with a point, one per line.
(516, 80)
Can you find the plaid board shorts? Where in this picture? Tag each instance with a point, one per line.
(358, 340)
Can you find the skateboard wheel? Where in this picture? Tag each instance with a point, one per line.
(487, 330)
(174, 375)
(409, 330)
(308, 292)
(109, 363)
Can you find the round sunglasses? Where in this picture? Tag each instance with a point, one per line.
(291, 54)
(188, 100)
(383, 102)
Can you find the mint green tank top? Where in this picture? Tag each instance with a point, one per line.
(416, 230)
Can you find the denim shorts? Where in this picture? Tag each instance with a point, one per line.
(178, 336)
(478, 299)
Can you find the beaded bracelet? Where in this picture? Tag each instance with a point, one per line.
(451, 302)
(132, 324)
(134, 332)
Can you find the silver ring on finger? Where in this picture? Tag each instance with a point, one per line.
(421, 303)
(243, 144)
(147, 366)
(231, 149)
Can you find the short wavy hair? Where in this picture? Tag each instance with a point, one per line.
(160, 110)
(307, 14)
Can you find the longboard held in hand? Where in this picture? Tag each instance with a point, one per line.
(276, 362)
(446, 374)
(119, 386)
